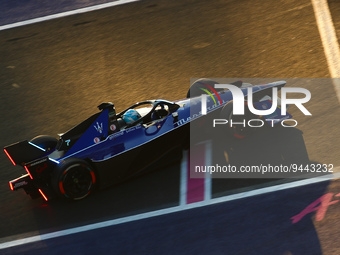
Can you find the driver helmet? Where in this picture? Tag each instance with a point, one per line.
(130, 116)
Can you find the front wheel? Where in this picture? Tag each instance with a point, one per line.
(237, 125)
(74, 179)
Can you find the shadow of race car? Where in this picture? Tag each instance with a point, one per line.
(109, 147)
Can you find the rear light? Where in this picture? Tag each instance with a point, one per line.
(26, 168)
(11, 186)
(9, 157)
(43, 195)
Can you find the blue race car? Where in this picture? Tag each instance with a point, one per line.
(108, 148)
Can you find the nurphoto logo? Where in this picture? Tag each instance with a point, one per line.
(238, 103)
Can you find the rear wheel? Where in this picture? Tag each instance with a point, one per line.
(74, 179)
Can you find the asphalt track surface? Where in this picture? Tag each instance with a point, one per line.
(335, 10)
(53, 74)
(233, 230)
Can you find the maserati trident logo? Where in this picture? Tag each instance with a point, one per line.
(99, 128)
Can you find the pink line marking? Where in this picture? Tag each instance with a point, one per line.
(195, 186)
(324, 202)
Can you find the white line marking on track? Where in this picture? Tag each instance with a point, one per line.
(183, 182)
(170, 210)
(68, 13)
(329, 41)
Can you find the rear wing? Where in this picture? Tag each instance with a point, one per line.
(23, 152)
